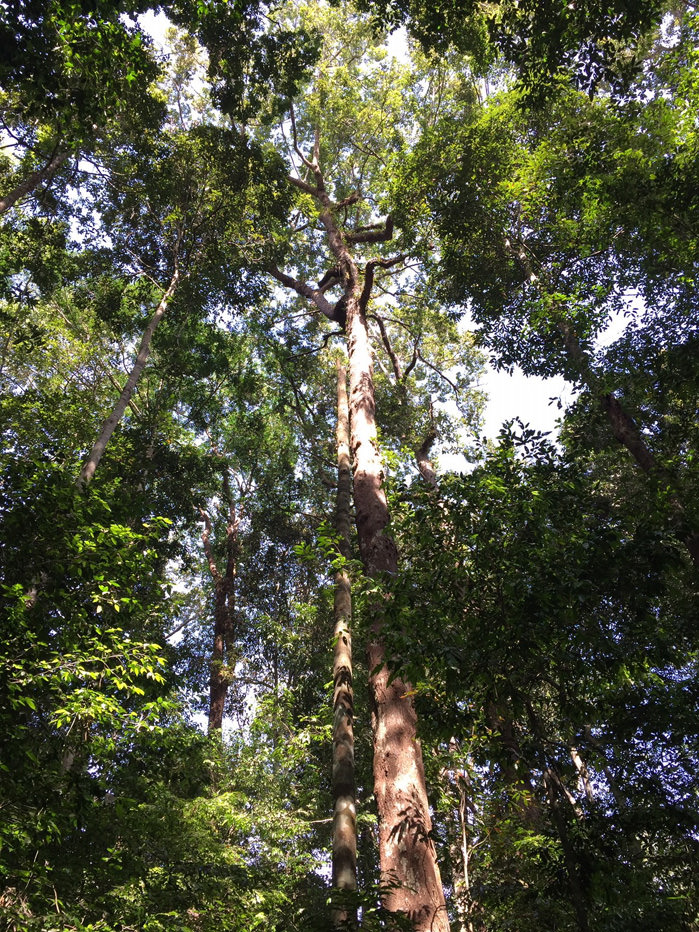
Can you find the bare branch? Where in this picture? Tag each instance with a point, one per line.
(349, 200)
(424, 463)
(303, 185)
(206, 540)
(316, 148)
(371, 265)
(440, 374)
(318, 349)
(305, 290)
(389, 349)
(298, 151)
(382, 235)
(411, 364)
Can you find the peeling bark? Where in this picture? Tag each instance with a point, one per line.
(407, 853)
(409, 870)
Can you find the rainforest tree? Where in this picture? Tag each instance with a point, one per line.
(199, 251)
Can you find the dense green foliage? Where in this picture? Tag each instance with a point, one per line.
(545, 606)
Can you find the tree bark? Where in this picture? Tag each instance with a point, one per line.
(407, 853)
(224, 612)
(109, 426)
(557, 791)
(424, 463)
(33, 180)
(516, 772)
(344, 856)
(409, 870)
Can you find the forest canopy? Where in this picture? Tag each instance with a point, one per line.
(288, 643)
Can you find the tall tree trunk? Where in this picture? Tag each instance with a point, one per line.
(33, 180)
(344, 857)
(516, 773)
(109, 426)
(224, 611)
(407, 853)
(457, 784)
(424, 463)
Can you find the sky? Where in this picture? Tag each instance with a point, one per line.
(525, 397)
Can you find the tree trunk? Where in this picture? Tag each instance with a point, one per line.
(407, 853)
(344, 857)
(424, 463)
(557, 792)
(33, 180)
(409, 870)
(224, 612)
(515, 771)
(109, 426)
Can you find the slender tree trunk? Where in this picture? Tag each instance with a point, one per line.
(424, 463)
(583, 774)
(569, 855)
(344, 858)
(557, 792)
(457, 783)
(407, 853)
(109, 426)
(33, 180)
(224, 611)
(515, 771)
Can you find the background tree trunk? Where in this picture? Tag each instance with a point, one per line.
(224, 611)
(109, 426)
(33, 180)
(343, 780)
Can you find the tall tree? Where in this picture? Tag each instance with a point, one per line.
(338, 163)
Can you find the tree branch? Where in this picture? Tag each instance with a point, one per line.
(371, 265)
(372, 236)
(206, 540)
(424, 463)
(349, 200)
(303, 185)
(305, 290)
(440, 374)
(389, 349)
(310, 165)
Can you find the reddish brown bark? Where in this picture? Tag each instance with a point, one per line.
(344, 856)
(424, 463)
(407, 854)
